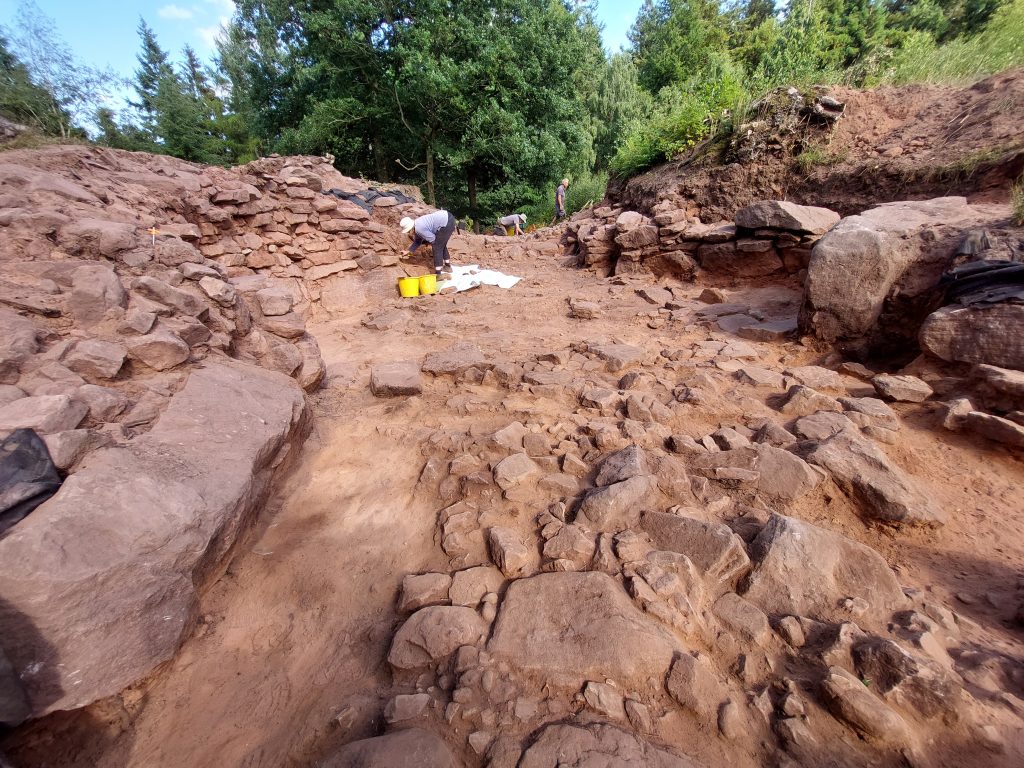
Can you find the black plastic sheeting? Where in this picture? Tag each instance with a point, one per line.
(27, 476)
(364, 198)
(983, 282)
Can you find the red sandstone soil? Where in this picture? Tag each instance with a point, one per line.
(298, 628)
(908, 143)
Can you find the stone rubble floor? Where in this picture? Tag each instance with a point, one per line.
(290, 660)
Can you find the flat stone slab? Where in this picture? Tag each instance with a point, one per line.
(780, 214)
(596, 745)
(398, 379)
(574, 627)
(803, 570)
(110, 567)
(882, 489)
(455, 360)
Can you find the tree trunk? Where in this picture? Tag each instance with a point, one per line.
(430, 174)
(379, 161)
(471, 184)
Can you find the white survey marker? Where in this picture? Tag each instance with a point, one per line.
(469, 276)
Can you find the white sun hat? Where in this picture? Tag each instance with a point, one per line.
(522, 216)
(406, 224)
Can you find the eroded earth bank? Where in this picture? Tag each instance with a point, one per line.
(692, 493)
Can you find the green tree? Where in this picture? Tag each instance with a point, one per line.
(154, 67)
(619, 102)
(24, 101)
(674, 40)
(75, 91)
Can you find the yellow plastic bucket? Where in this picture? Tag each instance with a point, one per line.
(428, 285)
(409, 287)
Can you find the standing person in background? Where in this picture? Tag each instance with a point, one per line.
(435, 228)
(560, 200)
(516, 220)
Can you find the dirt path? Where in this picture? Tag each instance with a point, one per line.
(297, 630)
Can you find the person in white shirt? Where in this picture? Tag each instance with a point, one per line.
(435, 228)
(516, 220)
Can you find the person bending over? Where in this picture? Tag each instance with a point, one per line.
(435, 228)
(516, 220)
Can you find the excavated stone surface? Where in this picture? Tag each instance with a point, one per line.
(409, 748)
(598, 745)
(803, 570)
(571, 627)
(115, 559)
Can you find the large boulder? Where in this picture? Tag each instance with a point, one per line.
(981, 333)
(779, 474)
(717, 552)
(160, 349)
(433, 633)
(803, 570)
(19, 340)
(882, 489)
(894, 254)
(97, 237)
(410, 748)
(597, 745)
(572, 627)
(95, 289)
(622, 465)
(780, 214)
(46, 414)
(115, 560)
(616, 506)
(96, 359)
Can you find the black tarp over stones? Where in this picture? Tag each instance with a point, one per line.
(27, 476)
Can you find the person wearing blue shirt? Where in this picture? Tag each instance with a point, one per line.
(435, 228)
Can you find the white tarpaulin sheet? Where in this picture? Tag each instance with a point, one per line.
(469, 276)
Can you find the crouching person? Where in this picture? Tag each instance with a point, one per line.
(435, 228)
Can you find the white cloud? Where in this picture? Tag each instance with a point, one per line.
(225, 6)
(210, 34)
(174, 12)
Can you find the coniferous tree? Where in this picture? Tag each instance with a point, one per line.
(154, 66)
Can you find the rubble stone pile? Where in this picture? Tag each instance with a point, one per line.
(616, 582)
(767, 238)
(153, 332)
(659, 529)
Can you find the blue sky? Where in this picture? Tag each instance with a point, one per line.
(104, 34)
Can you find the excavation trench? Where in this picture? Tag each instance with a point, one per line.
(288, 661)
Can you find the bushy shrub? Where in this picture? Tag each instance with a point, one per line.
(1017, 200)
(584, 189)
(680, 120)
(999, 46)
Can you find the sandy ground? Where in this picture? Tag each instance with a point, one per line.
(296, 632)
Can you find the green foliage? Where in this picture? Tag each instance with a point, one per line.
(618, 102)
(1017, 201)
(22, 100)
(42, 83)
(996, 47)
(815, 157)
(672, 39)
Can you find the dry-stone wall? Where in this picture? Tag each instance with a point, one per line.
(152, 316)
(766, 238)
